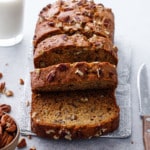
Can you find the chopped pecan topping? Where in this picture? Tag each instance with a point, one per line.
(51, 76)
(21, 81)
(62, 67)
(9, 93)
(79, 72)
(52, 24)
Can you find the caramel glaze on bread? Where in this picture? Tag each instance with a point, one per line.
(69, 17)
(76, 76)
(75, 48)
(73, 115)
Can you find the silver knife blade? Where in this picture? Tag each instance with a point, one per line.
(143, 90)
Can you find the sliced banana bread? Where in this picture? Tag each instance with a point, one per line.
(75, 48)
(72, 115)
(76, 76)
(71, 16)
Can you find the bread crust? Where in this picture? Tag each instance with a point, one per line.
(76, 76)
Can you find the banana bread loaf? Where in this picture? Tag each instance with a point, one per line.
(75, 48)
(76, 76)
(69, 17)
(72, 115)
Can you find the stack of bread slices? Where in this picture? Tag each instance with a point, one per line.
(75, 77)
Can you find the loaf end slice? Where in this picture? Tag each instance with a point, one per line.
(74, 115)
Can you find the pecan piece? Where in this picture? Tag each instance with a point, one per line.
(9, 93)
(62, 67)
(6, 139)
(22, 143)
(51, 75)
(5, 108)
(8, 123)
(1, 75)
(2, 87)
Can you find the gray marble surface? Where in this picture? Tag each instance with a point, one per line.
(132, 27)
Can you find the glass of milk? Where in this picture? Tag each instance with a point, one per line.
(11, 22)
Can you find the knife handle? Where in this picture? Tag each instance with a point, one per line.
(146, 132)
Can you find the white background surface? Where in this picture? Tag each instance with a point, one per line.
(132, 26)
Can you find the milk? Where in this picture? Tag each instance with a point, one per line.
(11, 21)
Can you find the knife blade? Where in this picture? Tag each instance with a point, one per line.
(144, 101)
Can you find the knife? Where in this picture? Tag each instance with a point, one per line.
(144, 101)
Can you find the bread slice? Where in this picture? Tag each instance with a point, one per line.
(75, 48)
(75, 76)
(69, 17)
(74, 115)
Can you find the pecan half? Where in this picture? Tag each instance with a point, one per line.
(21, 81)
(62, 67)
(22, 143)
(8, 123)
(5, 108)
(51, 75)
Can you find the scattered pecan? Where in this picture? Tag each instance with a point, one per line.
(22, 143)
(33, 148)
(99, 72)
(1, 75)
(9, 93)
(21, 82)
(8, 123)
(2, 87)
(5, 108)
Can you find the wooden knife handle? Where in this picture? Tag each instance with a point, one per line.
(146, 132)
